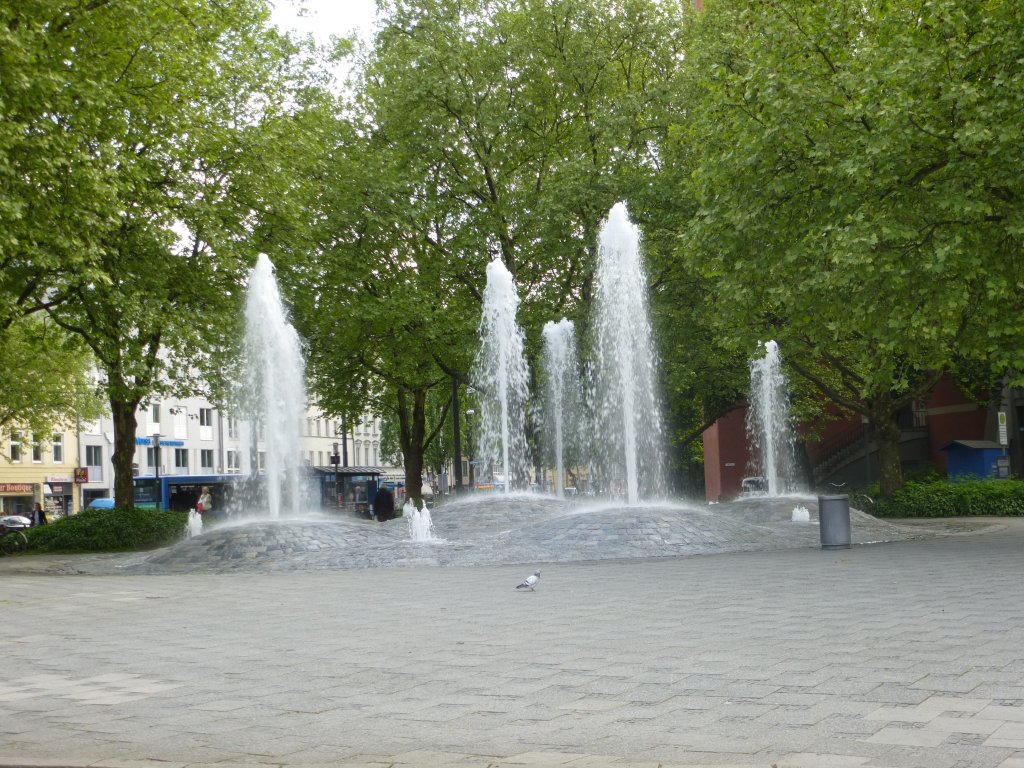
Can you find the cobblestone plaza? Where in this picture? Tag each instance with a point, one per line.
(710, 651)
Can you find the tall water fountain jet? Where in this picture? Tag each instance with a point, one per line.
(276, 396)
(768, 421)
(502, 379)
(627, 405)
(561, 394)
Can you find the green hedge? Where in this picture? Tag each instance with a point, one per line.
(108, 530)
(946, 499)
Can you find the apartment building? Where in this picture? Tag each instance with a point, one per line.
(38, 469)
(69, 469)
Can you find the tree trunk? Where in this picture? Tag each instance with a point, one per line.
(123, 413)
(887, 437)
(412, 430)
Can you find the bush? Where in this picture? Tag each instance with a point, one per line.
(952, 499)
(108, 530)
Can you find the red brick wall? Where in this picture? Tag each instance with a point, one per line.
(725, 456)
(951, 417)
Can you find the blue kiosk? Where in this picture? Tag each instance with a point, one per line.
(968, 459)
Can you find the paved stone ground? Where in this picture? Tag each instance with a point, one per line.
(903, 654)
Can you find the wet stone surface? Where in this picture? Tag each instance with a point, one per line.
(491, 530)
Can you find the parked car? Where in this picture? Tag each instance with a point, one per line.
(14, 523)
(102, 504)
(753, 486)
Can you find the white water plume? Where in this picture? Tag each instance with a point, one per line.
(502, 380)
(627, 407)
(768, 422)
(276, 397)
(561, 402)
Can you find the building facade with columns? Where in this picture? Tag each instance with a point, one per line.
(70, 468)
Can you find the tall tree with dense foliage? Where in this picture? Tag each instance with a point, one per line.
(46, 383)
(856, 171)
(140, 157)
(494, 130)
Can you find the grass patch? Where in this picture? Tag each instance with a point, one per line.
(108, 530)
(943, 498)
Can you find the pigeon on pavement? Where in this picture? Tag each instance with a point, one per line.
(530, 581)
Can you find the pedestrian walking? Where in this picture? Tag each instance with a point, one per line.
(384, 504)
(205, 504)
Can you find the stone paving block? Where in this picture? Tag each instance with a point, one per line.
(659, 624)
(1010, 735)
(908, 737)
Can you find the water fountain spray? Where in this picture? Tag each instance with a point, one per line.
(276, 396)
(502, 378)
(768, 421)
(561, 395)
(628, 408)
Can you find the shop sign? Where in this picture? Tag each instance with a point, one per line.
(20, 488)
(81, 474)
(58, 479)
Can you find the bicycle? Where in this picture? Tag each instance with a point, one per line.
(13, 542)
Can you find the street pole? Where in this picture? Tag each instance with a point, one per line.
(457, 463)
(336, 459)
(344, 441)
(469, 445)
(156, 460)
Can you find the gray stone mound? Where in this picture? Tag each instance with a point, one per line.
(487, 530)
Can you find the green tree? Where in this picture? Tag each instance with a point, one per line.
(854, 167)
(501, 129)
(46, 382)
(159, 153)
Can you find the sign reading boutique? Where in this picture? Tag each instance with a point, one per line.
(17, 489)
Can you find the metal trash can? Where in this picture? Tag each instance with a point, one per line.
(834, 520)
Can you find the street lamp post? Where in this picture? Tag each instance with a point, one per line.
(336, 460)
(469, 445)
(156, 460)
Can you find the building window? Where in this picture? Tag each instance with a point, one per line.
(318, 427)
(232, 427)
(311, 458)
(154, 413)
(206, 459)
(15, 446)
(262, 458)
(94, 462)
(151, 456)
(320, 459)
(206, 417)
(355, 455)
(180, 422)
(233, 463)
(58, 449)
(309, 426)
(181, 458)
(37, 451)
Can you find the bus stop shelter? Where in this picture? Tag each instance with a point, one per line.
(349, 489)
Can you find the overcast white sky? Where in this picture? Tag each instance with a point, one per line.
(324, 18)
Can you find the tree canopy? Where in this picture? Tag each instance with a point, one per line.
(855, 171)
(140, 158)
(842, 177)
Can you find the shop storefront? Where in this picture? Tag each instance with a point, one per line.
(58, 496)
(17, 498)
